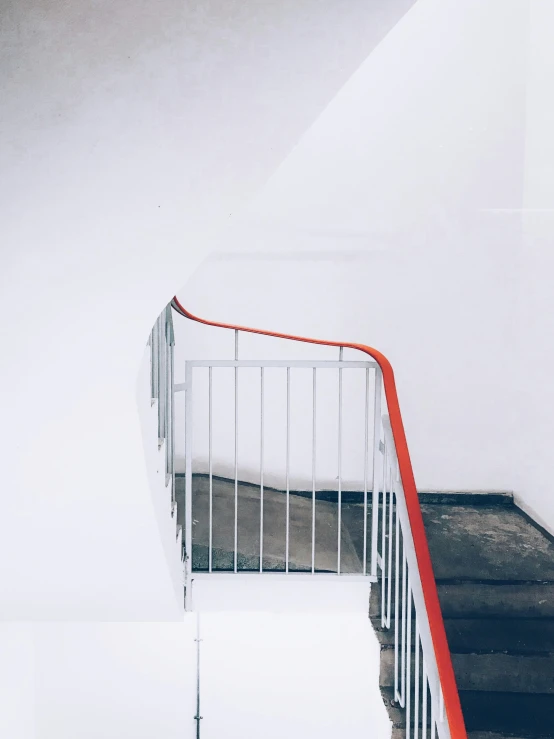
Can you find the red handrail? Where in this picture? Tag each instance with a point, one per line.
(438, 634)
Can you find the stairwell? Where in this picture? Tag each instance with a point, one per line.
(494, 570)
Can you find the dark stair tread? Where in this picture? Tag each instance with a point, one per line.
(525, 715)
(531, 714)
(482, 600)
(487, 635)
(486, 543)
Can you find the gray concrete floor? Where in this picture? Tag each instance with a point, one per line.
(486, 543)
(248, 530)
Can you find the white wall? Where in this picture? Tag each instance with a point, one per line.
(17, 684)
(115, 680)
(129, 132)
(381, 227)
(534, 385)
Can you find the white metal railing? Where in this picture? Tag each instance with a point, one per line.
(417, 687)
(368, 565)
(397, 562)
(162, 370)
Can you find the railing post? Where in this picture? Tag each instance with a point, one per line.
(339, 497)
(188, 481)
(375, 484)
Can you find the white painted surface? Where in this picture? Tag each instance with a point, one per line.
(298, 674)
(129, 134)
(115, 681)
(535, 389)
(17, 685)
(390, 193)
(280, 593)
(161, 492)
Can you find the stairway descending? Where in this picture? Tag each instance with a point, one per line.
(495, 576)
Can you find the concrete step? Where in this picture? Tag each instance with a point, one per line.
(511, 599)
(487, 543)
(478, 636)
(491, 715)
(505, 673)
(470, 599)
(400, 733)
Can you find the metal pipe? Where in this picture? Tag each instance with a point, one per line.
(235, 552)
(366, 464)
(389, 578)
(416, 679)
(287, 525)
(396, 603)
(198, 717)
(313, 464)
(425, 688)
(188, 481)
(376, 451)
(261, 467)
(210, 465)
(409, 660)
(339, 501)
(386, 462)
(403, 653)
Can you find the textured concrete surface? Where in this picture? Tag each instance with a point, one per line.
(274, 527)
(486, 543)
(495, 578)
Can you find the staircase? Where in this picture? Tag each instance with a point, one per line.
(462, 592)
(495, 576)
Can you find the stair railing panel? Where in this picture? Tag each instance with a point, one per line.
(162, 373)
(417, 684)
(424, 682)
(288, 368)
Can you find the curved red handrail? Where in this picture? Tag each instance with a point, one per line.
(438, 634)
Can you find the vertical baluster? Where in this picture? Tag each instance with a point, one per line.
(287, 524)
(198, 717)
(210, 466)
(313, 465)
(339, 501)
(376, 452)
(396, 605)
(403, 653)
(389, 579)
(386, 463)
(151, 345)
(366, 464)
(409, 660)
(155, 361)
(261, 467)
(161, 381)
(188, 478)
(166, 398)
(235, 553)
(173, 496)
(416, 680)
(425, 688)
